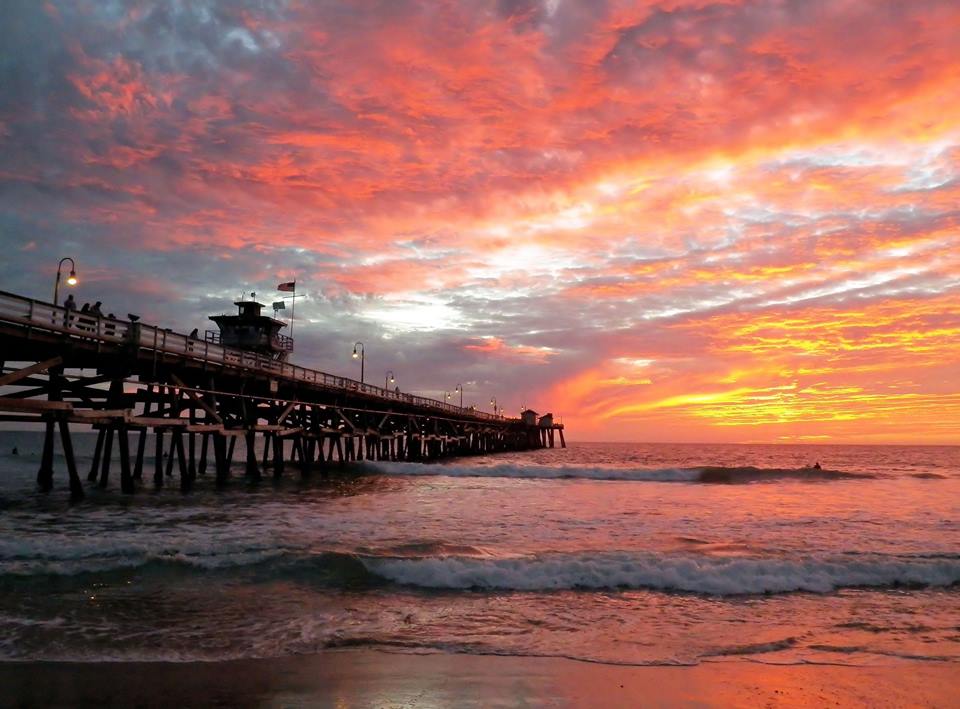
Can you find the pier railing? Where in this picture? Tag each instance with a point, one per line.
(41, 316)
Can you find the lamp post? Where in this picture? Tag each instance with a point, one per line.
(493, 400)
(460, 389)
(388, 379)
(361, 355)
(71, 279)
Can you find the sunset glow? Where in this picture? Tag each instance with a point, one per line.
(671, 220)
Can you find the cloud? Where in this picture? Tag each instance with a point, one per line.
(526, 196)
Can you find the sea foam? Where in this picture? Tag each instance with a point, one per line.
(623, 570)
(702, 474)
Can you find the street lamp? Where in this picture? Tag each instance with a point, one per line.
(388, 379)
(493, 401)
(361, 355)
(71, 279)
(460, 389)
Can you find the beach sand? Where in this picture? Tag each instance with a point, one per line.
(365, 678)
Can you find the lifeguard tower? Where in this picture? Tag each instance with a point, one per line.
(251, 330)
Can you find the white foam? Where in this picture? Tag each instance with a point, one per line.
(670, 573)
(505, 470)
(78, 558)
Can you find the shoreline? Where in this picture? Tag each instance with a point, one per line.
(366, 677)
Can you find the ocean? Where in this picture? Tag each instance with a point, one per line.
(631, 554)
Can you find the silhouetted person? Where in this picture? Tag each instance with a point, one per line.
(70, 305)
(85, 308)
(194, 334)
(95, 310)
(15, 451)
(816, 466)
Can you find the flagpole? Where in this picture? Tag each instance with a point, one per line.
(293, 308)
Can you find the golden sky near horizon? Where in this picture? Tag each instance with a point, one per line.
(682, 220)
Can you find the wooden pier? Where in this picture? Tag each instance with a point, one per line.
(125, 378)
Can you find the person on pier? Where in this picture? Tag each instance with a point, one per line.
(70, 305)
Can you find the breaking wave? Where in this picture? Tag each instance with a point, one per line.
(473, 569)
(691, 574)
(701, 474)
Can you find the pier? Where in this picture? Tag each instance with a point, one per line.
(124, 378)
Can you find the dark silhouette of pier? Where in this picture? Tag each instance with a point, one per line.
(124, 377)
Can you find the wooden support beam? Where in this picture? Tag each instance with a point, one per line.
(158, 458)
(126, 476)
(66, 442)
(107, 454)
(45, 473)
(20, 418)
(266, 449)
(141, 446)
(92, 476)
(202, 463)
(306, 456)
(196, 399)
(277, 457)
(8, 404)
(185, 480)
(156, 421)
(253, 470)
(220, 458)
(116, 415)
(286, 411)
(81, 388)
(345, 419)
(171, 453)
(16, 376)
(192, 458)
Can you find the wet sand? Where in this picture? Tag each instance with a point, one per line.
(364, 678)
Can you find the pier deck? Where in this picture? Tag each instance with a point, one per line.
(146, 377)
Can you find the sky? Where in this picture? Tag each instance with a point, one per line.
(670, 220)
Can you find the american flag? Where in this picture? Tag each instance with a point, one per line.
(289, 287)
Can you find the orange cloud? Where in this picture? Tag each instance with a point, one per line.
(709, 219)
(498, 348)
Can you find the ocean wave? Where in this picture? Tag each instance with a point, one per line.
(692, 574)
(441, 567)
(755, 648)
(700, 474)
(135, 560)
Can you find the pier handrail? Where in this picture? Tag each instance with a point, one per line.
(44, 316)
